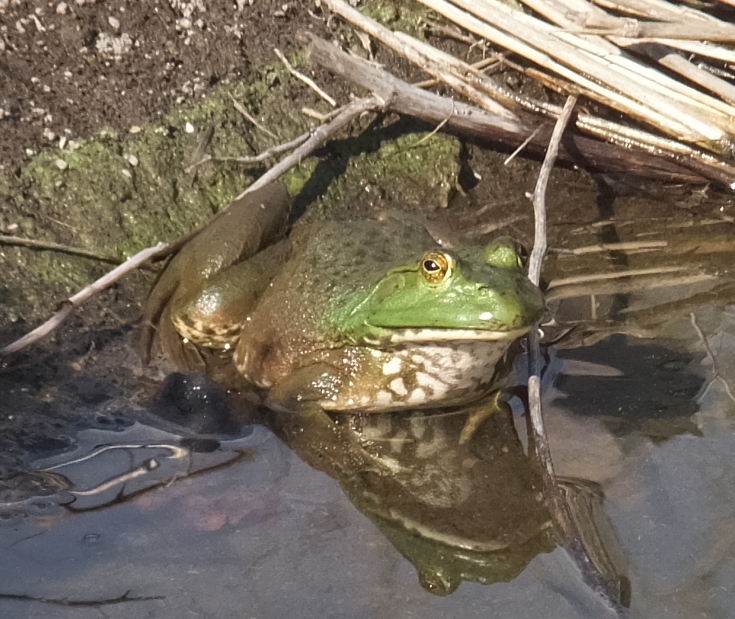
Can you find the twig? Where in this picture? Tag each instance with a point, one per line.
(539, 193)
(68, 306)
(320, 135)
(492, 227)
(240, 108)
(541, 443)
(270, 152)
(626, 246)
(313, 114)
(307, 80)
(523, 145)
(74, 251)
(534, 274)
(558, 507)
(428, 136)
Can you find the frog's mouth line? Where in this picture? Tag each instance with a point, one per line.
(453, 335)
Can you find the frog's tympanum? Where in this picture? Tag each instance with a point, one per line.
(361, 316)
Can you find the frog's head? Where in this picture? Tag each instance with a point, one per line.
(446, 295)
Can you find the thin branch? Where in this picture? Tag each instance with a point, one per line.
(541, 443)
(319, 137)
(559, 507)
(69, 305)
(523, 145)
(428, 136)
(240, 108)
(270, 152)
(534, 274)
(307, 80)
(313, 114)
(539, 193)
(74, 251)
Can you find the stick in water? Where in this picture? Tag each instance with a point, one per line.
(558, 506)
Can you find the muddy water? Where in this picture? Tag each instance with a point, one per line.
(138, 517)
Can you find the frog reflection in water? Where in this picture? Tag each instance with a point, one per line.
(343, 316)
(457, 510)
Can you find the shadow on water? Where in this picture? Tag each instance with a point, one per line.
(642, 387)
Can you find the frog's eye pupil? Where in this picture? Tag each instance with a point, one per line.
(431, 266)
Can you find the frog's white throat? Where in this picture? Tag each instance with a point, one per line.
(428, 335)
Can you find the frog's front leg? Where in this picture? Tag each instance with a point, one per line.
(478, 413)
(214, 316)
(327, 443)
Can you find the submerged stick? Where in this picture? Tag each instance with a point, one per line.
(70, 304)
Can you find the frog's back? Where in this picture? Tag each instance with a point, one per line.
(349, 253)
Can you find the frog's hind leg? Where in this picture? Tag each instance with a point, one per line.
(246, 227)
(214, 316)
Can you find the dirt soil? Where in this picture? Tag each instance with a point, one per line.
(68, 69)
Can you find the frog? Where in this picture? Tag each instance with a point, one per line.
(368, 316)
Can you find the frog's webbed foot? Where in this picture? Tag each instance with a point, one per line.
(480, 412)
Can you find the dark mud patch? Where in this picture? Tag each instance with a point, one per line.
(69, 68)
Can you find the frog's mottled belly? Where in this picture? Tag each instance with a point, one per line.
(417, 376)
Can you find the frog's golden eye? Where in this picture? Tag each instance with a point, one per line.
(435, 266)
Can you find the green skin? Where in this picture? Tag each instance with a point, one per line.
(364, 316)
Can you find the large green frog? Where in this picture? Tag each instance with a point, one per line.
(344, 316)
